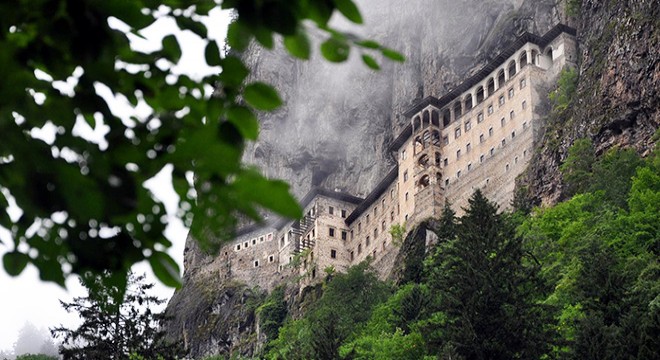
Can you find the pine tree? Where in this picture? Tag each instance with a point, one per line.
(115, 329)
(486, 290)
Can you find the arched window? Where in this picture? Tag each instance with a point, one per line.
(417, 123)
(480, 94)
(501, 78)
(535, 57)
(423, 160)
(438, 178)
(425, 119)
(512, 68)
(437, 158)
(418, 146)
(523, 59)
(458, 110)
(446, 117)
(491, 86)
(435, 118)
(435, 137)
(424, 181)
(426, 138)
(468, 102)
(548, 53)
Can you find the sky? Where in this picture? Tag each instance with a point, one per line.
(25, 298)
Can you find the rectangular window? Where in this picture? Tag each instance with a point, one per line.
(368, 241)
(254, 241)
(502, 122)
(481, 158)
(333, 254)
(506, 168)
(480, 117)
(352, 256)
(375, 210)
(457, 133)
(523, 83)
(406, 196)
(344, 235)
(458, 174)
(515, 161)
(501, 100)
(331, 210)
(343, 213)
(403, 154)
(261, 239)
(238, 247)
(359, 249)
(331, 232)
(352, 235)
(512, 115)
(382, 225)
(492, 151)
(405, 176)
(524, 104)
(359, 227)
(445, 140)
(468, 126)
(490, 109)
(271, 258)
(481, 138)
(513, 134)
(525, 125)
(367, 221)
(445, 162)
(490, 131)
(510, 93)
(446, 182)
(256, 263)
(469, 167)
(375, 233)
(458, 154)
(392, 216)
(503, 142)
(525, 153)
(468, 147)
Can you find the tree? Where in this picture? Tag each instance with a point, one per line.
(32, 340)
(576, 170)
(85, 197)
(115, 329)
(486, 289)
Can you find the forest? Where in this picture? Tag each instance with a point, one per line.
(579, 280)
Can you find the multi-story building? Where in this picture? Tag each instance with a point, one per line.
(480, 135)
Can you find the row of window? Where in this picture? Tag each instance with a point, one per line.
(342, 212)
(271, 259)
(468, 124)
(254, 241)
(482, 158)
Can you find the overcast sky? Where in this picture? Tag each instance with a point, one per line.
(26, 298)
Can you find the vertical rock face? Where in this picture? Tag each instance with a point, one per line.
(339, 118)
(618, 95)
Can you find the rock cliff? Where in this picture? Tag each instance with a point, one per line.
(339, 120)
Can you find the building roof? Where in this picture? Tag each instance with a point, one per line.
(541, 41)
(374, 195)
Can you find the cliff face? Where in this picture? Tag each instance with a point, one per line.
(618, 94)
(339, 120)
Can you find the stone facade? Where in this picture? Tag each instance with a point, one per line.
(480, 135)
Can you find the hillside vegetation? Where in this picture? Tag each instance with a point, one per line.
(579, 280)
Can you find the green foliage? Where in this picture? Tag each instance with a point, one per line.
(562, 97)
(573, 7)
(272, 313)
(346, 304)
(118, 323)
(85, 203)
(577, 169)
(397, 231)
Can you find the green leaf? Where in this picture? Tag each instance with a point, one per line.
(348, 9)
(271, 194)
(165, 269)
(264, 37)
(186, 23)
(171, 48)
(393, 55)
(370, 62)
(369, 44)
(262, 96)
(335, 50)
(15, 262)
(212, 54)
(238, 36)
(320, 11)
(245, 121)
(298, 45)
(233, 71)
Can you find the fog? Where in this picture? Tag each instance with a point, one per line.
(339, 118)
